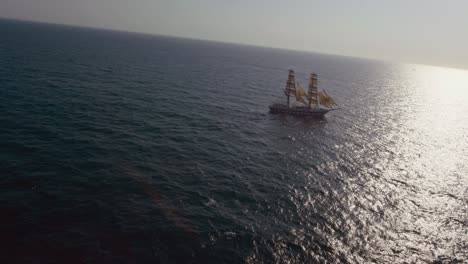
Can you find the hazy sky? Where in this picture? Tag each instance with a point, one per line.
(420, 31)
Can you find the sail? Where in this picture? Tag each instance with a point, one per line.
(312, 94)
(300, 94)
(326, 100)
(290, 88)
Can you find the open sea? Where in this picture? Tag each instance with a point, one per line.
(130, 148)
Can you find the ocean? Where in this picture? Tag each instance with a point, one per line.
(130, 148)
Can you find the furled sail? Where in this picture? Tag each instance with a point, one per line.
(300, 94)
(290, 88)
(312, 94)
(326, 100)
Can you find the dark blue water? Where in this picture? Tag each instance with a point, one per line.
(127, 148)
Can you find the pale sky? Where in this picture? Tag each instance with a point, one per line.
(419, 31)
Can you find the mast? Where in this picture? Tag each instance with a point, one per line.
(313, 90)
(290, 85)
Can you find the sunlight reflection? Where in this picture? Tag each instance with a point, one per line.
(439, 105)
(443, 93)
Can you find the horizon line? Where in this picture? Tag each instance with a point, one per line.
(154, 34)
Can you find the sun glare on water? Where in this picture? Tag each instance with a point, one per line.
(435, 120)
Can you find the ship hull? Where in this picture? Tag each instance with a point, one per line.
(298, 111)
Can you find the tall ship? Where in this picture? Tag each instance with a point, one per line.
(314, 103)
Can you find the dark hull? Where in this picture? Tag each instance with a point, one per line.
(299, 111)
